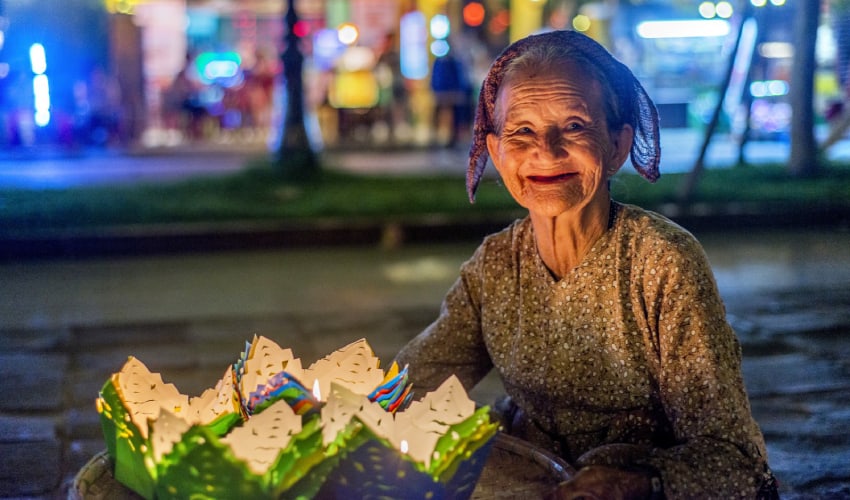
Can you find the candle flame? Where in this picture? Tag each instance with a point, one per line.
(403, 446)
(316, 391)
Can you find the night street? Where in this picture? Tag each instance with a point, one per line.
(67, 325)
(57, 168)
(96, 97)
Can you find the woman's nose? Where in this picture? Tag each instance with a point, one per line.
(555, 142)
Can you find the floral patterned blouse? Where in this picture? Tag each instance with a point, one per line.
(627, 360)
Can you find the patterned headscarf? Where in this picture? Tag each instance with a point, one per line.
(636, 107)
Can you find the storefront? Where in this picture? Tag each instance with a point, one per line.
(200, 69)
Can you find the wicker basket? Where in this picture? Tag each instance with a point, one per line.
(514, 469)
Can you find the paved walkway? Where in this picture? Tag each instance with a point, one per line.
(65, 326)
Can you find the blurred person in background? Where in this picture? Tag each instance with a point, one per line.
(392, 100)
(17, 104)
(603, 320)
(101, 98)
(182, 108)
(259, 91)
(452, 96)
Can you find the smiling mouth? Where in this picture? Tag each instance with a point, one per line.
(551, 179)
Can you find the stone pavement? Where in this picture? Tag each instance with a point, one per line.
(65, 326)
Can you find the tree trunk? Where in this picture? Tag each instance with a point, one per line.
(688, 184)
(804, 160)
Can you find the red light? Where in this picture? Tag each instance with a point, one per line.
(301, 29)
(473, 14)
(500, 22)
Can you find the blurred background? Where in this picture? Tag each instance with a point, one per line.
(154, 73)
(107, 106)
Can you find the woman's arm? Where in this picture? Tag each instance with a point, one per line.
(720, 450)
(452, 344)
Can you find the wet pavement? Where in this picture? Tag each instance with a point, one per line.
(66, 325)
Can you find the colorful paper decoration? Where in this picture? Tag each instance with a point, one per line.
(261, 433)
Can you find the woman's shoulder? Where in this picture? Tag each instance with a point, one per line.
(504, 244)
(651, 231)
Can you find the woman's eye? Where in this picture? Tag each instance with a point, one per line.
(572, 126)
(520, 132)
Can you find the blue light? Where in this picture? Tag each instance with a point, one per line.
(221, 69)
(769, 88)
(42, 118)
(439, 48)
(440, 26)
(41, 92)
(38, 59)
(413, 37)
(326, 48)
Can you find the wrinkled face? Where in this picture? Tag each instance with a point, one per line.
(553, 148)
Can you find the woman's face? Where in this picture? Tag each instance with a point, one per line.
(554, 150)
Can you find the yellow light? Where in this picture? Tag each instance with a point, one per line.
(758, 3)
(581, 22)
(121, 6)
(317, 391)
(347, 33)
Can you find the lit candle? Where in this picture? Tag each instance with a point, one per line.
(316, 391)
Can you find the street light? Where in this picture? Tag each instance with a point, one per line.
(296, 159)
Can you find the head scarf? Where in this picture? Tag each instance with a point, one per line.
(636, 107)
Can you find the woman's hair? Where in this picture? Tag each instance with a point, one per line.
(552, 58)
(625, 100)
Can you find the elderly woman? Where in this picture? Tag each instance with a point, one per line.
(602, 319)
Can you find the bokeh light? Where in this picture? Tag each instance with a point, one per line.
(38, 59)
(326, 48)
(41, 92)
(439, 48)
(724, 9)
(413, 48)
(348, 33)
(499, 23)
(301, 29)
(440, 26)
(707, 10)
(683, 29)
(473, 14)
(581, 23)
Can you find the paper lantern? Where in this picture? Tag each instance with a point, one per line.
(261, 433)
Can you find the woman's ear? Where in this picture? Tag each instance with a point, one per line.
(622, 142)
(493, 150)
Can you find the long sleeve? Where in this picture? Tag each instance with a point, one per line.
(452, 344)
(628, 360)
(719, 450)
